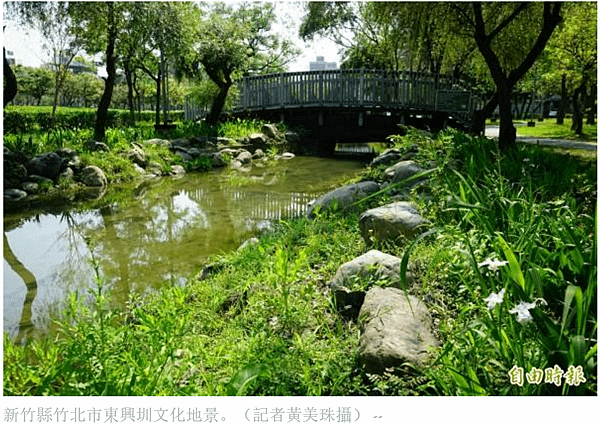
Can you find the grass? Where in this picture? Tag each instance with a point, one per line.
(548, 128)
(264, 324)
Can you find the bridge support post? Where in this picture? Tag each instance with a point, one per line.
(321, 120)
(361, 118)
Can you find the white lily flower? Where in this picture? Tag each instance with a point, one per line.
(494, 299)
(522, 311)
(492, 264)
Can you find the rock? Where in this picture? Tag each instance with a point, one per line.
(14, 173)
(244, 157)
(47, 165)
(68, 175)
(66, 153)
(269, 130)
(286, 156)
(194, 152)
(257, 139)
(14, 195)
(181, 142)
(250, 242)
(344, 197)
(390, 222)
(74, 162)
(30, 188)
(159, 142)
(396, 329)
(177, 170)
(139, 169)
(368, 269)
(258, 154)
(220, 141)
(183, 154)
(217, 160)
(154, 169)
(92, 176)
(387, 157)
(402, 170)
(229, 152)
(95, 146)
(39, 180)
(235, 164)
(200, 141)
(137, 155)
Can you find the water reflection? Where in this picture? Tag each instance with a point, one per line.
(164, 232)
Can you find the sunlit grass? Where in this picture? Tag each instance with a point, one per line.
(548, 128)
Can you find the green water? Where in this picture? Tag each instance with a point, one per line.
(162, 232)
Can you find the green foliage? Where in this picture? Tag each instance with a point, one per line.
(23, 119)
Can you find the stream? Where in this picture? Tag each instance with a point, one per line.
(162, 233)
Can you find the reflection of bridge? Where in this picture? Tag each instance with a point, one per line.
(347, 103)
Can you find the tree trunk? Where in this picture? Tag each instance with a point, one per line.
(10, 88)
(109, 83)
(508, 134)
(562, 105)
(577, 110)
(158, 88)
(591, 105)
(129, 79)
(218, 104)
(479, 116)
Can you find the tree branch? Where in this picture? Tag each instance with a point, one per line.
(522, 6)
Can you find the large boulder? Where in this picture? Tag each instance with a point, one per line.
(92, 176)
(159, 142)
(355, 277)
(137, 155)
(390, 222)
(387, 157)
(47, 165)
(217, 159)
(14, 195)
(372, 267)
(244, 157)
(396, 329)
(270, 130)
(258, 139)
(343, 197)
(402, 170)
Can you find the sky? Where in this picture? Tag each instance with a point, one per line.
(27, 47)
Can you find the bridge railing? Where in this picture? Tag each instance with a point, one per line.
(359, 88)
(348, 88)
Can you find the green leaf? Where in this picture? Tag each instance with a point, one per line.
(514, 268)
(243, 377)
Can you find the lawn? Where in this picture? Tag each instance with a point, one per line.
(548, 128)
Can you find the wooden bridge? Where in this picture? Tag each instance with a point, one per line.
(353, 104)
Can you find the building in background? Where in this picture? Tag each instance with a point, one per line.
(10, 57)
(321, 65)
